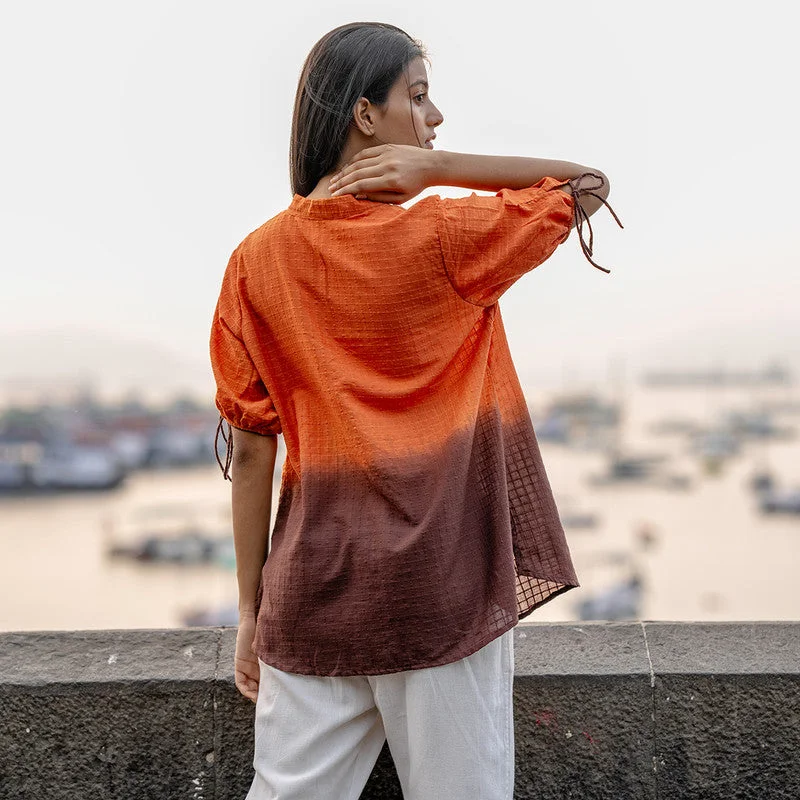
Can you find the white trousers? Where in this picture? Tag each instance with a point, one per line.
(450, 730)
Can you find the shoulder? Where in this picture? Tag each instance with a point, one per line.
(266, 232)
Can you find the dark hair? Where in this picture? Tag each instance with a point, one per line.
(360, 59)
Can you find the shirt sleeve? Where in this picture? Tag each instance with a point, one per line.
(488, 242)
(242, 397)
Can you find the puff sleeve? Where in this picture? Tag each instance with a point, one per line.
(488, 242)
(242, 397)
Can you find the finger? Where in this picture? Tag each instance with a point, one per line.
(369, 157)
(348, 171)
(355, 163)
(352, 183)
(368, 171)
(367, 185)
(248, 676)
(247, 667)
(370, 152)
(248, 688)
(394, 198)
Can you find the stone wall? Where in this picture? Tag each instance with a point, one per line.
(603, 710)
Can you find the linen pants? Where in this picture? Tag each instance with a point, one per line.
(450, 730)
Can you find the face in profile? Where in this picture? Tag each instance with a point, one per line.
(408, 116)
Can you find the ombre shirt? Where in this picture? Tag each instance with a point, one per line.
(415, 521)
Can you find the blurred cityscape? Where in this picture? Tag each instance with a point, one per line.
(84, 444)
(659, 484)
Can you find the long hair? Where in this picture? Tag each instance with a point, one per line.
(360, 59)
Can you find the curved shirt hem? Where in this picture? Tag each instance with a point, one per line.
(527, 612)
(298, 668)
(453, 656)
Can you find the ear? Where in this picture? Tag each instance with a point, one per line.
(362, 116)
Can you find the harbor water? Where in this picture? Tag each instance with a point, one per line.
(704, 551)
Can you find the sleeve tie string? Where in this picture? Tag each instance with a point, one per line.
(581, 217)
(228, 439)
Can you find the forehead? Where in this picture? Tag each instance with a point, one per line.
(413, 75)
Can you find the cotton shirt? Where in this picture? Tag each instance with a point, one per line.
(415, 522)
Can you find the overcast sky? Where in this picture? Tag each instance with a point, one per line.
(143, 140)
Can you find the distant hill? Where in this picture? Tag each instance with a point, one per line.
(54, 360)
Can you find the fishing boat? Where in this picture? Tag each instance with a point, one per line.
(32, 468)
(224, 617)
(175, 534)
(639, 469)
(572, 516)
(618, 602)
(578, 419)
(780, 501)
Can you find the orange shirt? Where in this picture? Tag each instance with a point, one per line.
(415, 521)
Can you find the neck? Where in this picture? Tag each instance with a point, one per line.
(356, 142)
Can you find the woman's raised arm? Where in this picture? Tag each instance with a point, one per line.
(397, 172)
(493, 173)
(394, 173)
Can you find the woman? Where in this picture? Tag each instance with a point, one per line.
(415, 524)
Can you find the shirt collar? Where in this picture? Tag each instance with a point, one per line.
(339, 207)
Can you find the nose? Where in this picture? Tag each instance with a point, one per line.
(435, 118)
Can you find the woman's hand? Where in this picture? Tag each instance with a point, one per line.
(246, 670)
(388, 173)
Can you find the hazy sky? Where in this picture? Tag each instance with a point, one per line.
(143, 140)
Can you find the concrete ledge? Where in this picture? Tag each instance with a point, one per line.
(602, 710)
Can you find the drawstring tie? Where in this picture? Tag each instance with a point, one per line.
(228, 439)
(581, 217)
